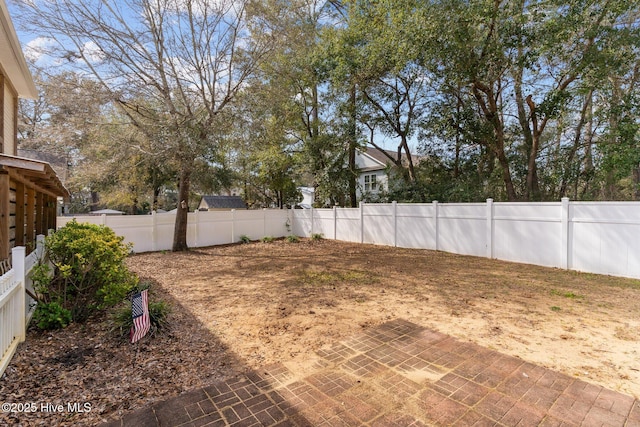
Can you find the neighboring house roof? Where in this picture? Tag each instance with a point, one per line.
(12, 62)
(222, 202)
(381, 161)
(106, 212)
(379, 155)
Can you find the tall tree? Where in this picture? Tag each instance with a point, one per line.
(187, 59)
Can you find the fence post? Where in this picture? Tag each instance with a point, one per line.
(154, 231)
(335, 222)
(394, 204)
(490, 228)
(311, 214)
(564, 257)
(233, 225)
(39, 245)
(18, 260)
(361, 222)
(435, 222)
(195, 228)
(103, 219)
(264, 222)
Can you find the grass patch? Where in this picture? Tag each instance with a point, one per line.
(569, 294)
(555, 308)
(323, 278)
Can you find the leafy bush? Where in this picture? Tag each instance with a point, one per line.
(90, 272)
(267, 239)
(292, 239)
(245, 239)
(317, 236)
(51, 315)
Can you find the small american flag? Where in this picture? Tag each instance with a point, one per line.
(140, 315)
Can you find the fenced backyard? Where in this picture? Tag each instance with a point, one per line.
(593, 237)
(243, 307)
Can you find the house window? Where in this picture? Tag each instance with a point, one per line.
(370, 183)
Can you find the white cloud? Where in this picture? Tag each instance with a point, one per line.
(92, 52)
(38, 47)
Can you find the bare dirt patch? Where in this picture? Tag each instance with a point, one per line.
(239, 307)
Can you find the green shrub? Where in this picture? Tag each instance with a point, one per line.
(51, 315)
(267, 239)
(317, 236)
(292, 239)
(245, 239)
(158, 312)
(90, 272)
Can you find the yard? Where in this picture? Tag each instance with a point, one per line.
(240, 307)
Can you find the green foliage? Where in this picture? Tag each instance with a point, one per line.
(267, 239)
(51, 315)
(122, 321)
(90, 272)
(293, 238)
(569, 294)
(41, 277)
(245, 239)
(317, 236)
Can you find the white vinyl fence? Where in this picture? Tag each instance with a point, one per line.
(594, 237)
(204, 228)
(16, 307)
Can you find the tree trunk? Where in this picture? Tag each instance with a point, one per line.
(353, 140)
(180, 229)
(411, 169)
(585, 117)
(156, 194)
(492, 115)
(456, 164)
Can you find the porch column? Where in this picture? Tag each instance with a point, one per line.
(4, 215)
(51, 212)
(40, 228)
(19, 214)
(31, 218)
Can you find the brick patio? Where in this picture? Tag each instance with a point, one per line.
(398, 374)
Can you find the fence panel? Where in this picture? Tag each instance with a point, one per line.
(379, 225)
(416, 226)
(301, 219)
(348, 224)
(9, 317)
(528, 232)
(323, 222)
(462, 228)
(277, 222)
(213, 228)
(604, 238)
(16, 308)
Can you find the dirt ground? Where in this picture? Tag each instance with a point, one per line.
(236, 308)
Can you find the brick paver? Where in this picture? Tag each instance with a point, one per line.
(398, 374)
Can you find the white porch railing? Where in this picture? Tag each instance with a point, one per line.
(16, 307)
